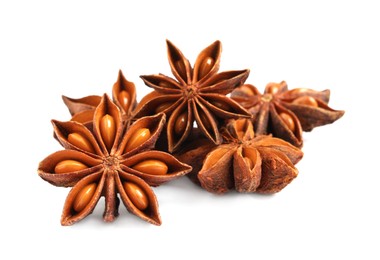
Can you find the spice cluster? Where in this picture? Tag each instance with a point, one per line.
(212, 126)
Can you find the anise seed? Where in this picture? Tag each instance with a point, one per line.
(69, 166)
(272, 88)
(124, 99)
(205, 121)
(137, 138)
(81, 142)
(165, 84)
(136, 195)
(205, 67)
(162, 107)
(306, 100)
(84, 197)
(180, 124)
(247, 90)
(181, 69)
(221, 105)
(151, 166)
(108, 130)
(288, 120)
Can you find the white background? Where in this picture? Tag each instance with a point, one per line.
(330, 211)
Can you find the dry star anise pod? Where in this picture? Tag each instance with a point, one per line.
(111, 159)
(286, 113)
(198, 94)
(123, 94)
(262, 164)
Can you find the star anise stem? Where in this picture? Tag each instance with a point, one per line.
(111, 209)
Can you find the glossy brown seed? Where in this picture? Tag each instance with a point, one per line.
(108, 130)
(136, 195)
(306, 100)
(299, 90)
(124, 99)
(180, 124)
(247, 90)
(155, 167)
(84, 197)
(162, 107)
(165, 84)
(81, 142)
(137, 138)
(205, 121)
(272, 88)
(288, 120)
(221, 105)
(181, 69)
(205, 67)
(69, 166)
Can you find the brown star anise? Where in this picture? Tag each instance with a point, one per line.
(198, 94)
(286, 113)
(262, 164)
(123, 94)
(111, 159)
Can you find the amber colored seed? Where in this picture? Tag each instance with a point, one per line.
(81, 142)
(272, 88)
(165, 84)
(136, 195)
(221, 105)
(181, 69)
(162, 107)
(108, 130)
(206, 123)
(84, 197)
(306, 100)
(180, 124)
(205, 67)
(155, 167)
(137, 138)
(246, 90)
(300, 90)
(124, 99)
(288, 120)
(69, 166)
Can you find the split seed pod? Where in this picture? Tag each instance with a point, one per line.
(102, 162)
(243, 162)
(286, 113)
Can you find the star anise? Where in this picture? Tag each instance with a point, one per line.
(108, 161)
(286, 113)
(262, 164)
(198, 94)
(123, 94)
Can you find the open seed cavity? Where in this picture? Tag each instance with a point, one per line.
(137, 195)
(152, 166)
(81, 142)
(84, 197)
(69, 166)
(107, 128)
(140, 136)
